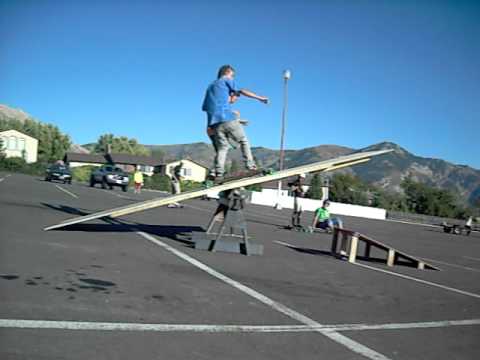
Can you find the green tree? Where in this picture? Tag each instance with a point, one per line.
(389, 200)
(120, 145)
(2, 149)
(427, 200)
(315, 189)
(348, 189)
(159, 155)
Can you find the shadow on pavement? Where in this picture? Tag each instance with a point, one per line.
(66, 209)
(361, 258)
(178, 233)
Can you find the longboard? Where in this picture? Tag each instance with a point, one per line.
(326, 165)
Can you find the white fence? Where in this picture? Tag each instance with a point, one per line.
(269, 197)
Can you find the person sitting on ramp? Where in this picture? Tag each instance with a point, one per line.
(322, 219)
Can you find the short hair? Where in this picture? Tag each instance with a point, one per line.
(223, 70)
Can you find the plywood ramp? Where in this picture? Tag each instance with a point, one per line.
(350, 241)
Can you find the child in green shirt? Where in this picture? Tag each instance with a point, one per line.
(322, 218)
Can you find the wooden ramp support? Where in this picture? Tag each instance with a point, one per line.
(350, 241)
(231, 235)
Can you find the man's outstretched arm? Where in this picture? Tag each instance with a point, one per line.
(252, 95)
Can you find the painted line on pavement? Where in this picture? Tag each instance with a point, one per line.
(119, 195)
(471, 258)
(66, 191)
(453, 265)
(407, 326)
(111, 326)
(404, 276)
(412, 223)
(467, 293)
(333, 335)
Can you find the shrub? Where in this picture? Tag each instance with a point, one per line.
(191, 185)
(157, 182)
(16, 164)
(82, 173)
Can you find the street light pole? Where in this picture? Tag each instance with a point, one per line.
(286, 77)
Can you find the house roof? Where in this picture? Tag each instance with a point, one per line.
(193, 161)
(18, 133)
(128, 159)
(122, 159)
(85, 158)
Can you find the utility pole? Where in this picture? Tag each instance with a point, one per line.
(286, 77)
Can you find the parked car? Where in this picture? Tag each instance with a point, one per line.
(58, 172)
(109, 175)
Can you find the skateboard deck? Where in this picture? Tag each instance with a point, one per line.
(321, 166)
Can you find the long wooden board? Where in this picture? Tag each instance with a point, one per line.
(326, 165)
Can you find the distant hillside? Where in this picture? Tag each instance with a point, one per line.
(78, 149)
(8, 113)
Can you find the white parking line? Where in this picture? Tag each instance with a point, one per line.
(471, 258)
(110, 326)
(453, 265)
(412, 223)
(111, 192)
(404, 276)
(66, 191)
(420, 280)
(333, 335)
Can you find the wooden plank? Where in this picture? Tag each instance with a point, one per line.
(391, 257)
(353, 248)
(326, 165)
(376, 243)
(334, 241)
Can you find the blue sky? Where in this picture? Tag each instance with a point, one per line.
(362, 71)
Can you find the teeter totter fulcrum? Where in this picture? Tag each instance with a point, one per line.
(230, 212)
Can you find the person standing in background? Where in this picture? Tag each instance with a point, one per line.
(138, 180)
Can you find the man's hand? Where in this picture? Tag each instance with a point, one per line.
(264, 99)
(233, 98)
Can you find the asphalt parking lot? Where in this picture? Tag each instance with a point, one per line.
(136, 289)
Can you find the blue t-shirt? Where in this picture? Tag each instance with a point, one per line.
(216, 103)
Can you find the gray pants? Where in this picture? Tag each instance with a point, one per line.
(297, 212)
(231, 130)
(176, 187)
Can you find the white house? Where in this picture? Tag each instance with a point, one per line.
(17, 144)
(191, 170)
